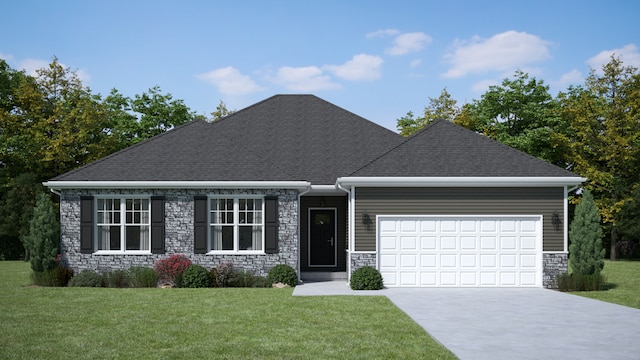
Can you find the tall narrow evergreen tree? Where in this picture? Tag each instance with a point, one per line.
(586, 252)
(43, 240)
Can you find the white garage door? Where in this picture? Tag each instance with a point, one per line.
(460, 251)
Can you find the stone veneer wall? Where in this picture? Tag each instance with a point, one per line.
(179, 232)
(359, 260)
(553, 264)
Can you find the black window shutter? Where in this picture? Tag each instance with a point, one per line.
(200, 225)
(157, 224)
(86, 224)
(271, 224)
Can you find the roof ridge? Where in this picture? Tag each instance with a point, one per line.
(128, 148)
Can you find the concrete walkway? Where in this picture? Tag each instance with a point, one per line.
(512, 323)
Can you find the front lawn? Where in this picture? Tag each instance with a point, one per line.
(622, 281)
(99, 323)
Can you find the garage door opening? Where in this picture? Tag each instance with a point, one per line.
(460, 251)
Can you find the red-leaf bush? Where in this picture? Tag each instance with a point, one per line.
(172, 268)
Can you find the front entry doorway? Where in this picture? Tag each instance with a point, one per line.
(323, 245)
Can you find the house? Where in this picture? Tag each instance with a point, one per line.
(296, 180)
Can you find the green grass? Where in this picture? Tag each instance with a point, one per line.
(102, 323)
(622, 282)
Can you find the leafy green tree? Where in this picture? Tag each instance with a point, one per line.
(586, 252)
(43, 240)
(603, 140)
(16, 210)
(443, 107)
(221, 111)
(520, 113)
(159, 113)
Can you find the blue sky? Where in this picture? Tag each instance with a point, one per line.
(378, 59)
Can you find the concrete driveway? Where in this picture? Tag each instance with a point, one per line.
(522, 323)
(511, 323)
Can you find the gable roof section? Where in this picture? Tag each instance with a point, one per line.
(443, 149)
(282, 138)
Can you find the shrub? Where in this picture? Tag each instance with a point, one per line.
(196, 276)
(143, 277)
(366, 278)
(580, 282)
(43, 240)
(116, 279)
(246, 279)
(61, 275)
(172, 268)
(42, 278)
(221, 274)
(86, 278)
(586, 252)
(283, 273)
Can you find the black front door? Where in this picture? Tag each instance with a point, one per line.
(322, 238)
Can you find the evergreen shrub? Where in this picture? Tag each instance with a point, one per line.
(283, 273)
(585, 233)
(196, 276)
(366, 278)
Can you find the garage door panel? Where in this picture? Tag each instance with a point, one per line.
(409, 261)
(409, 243)
(466, 251)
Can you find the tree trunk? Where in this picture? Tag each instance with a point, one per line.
(26, 255)
(614, 241)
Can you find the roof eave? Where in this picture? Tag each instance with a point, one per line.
(460, 181)
(63, 185)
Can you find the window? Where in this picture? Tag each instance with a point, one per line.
(123, 225)
(236, 224)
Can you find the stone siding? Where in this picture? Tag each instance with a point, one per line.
(553, 264)
(359, 260)
(179, 232)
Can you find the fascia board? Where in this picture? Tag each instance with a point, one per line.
(460, 181)
(60, 185)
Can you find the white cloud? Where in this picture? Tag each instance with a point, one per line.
(31, 65)
(230, 81)
(415, 63)
(408, 42)
(304, 79)
(382, 33)
(628, 54)
(506, 51)
(572, 77)
(360, 67)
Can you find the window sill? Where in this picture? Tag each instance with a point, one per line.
(246, 252)
(122, 252)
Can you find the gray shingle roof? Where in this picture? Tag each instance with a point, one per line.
(304, 138)
(443, 149)
(282, 138)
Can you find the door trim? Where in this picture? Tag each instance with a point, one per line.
(335, 232)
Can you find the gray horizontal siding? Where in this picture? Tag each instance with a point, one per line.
(459, 201)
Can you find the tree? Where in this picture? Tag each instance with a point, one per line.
(158, 113)
(16, 210)
(520, 113)
(585, 233)
(221, 111)
(43, 240)
(443, 107)
(603, 140)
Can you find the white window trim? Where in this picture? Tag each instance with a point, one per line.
(236, 217)
(123, 226)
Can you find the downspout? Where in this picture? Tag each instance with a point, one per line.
(351, 227)
(300, 194)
